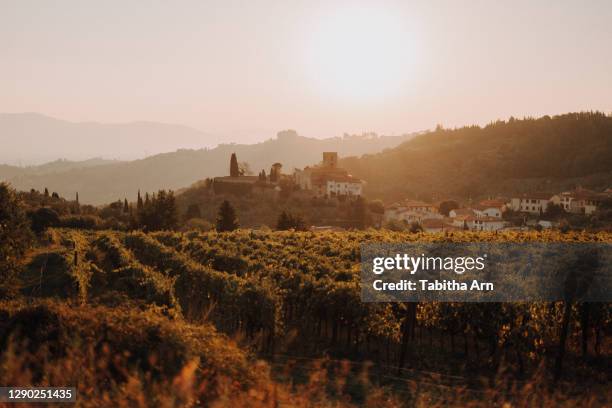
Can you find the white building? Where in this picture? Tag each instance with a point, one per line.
(579, 201)
(411, 211)
(477, 220)
(487, 224)
(438, 225)
(343, 186)
(533, 203)
(461, 212)
(327, 179)
(490, 208)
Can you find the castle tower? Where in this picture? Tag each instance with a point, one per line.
(330, 159)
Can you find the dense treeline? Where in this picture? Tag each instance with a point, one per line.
(548, 154)
(196, 208)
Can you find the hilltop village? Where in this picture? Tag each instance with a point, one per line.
(330, 182)
(322, 180)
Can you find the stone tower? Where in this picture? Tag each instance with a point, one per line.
(330, 159)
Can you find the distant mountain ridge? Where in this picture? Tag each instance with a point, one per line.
(36, 138)
(105, 182)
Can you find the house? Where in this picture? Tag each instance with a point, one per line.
(327, 179)
(487, 224)
(343, 186)
(490, 208)
(411, 211)
(438, 225)
(476, 219)
(563, 199)
(461, 212)
(533, 203)
(579, 201)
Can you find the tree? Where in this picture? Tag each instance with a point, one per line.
(554, 211)
(43, 218)
(447, 206)
(193, 211)
(244, 169)
(359, 213)
(139, 203)
(287, 221)
(15, 238)
(126, 207)
(376, 207)
(415, 227)
(262, 176)
(226, 218)
(159, 212)
(76, 207)
(283, 221)
(234, 169)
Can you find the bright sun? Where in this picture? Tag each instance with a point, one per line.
(360, 54)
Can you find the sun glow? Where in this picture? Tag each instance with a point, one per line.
(360, 54)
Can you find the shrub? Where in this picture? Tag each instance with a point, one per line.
(80, 221)
(43, 218)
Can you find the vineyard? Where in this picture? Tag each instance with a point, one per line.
(293, 299)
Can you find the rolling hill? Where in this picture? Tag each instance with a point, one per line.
(545, 154)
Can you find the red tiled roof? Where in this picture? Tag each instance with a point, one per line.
(491, 204)
(536, 196)
(463, 211)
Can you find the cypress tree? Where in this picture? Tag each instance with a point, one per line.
(139, 203)
(234, 169)
(226, 218)
(283, 221)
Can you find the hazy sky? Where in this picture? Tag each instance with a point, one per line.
(247, 69)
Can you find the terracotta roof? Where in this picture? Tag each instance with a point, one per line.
(463, 211)
(437, 223)
(343, 179)
(433, 223)
(536, 196)
(416, 203)
(491, 204)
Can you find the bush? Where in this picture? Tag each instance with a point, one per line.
(43, 218)
(197, 224)
(80, 221)
(15, 237)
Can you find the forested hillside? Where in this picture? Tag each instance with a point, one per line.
(545, 154)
